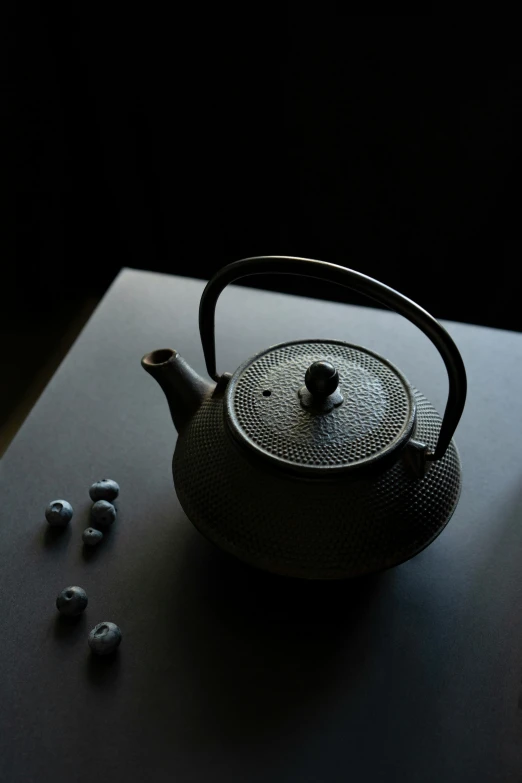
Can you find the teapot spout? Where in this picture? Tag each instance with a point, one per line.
(184, 389)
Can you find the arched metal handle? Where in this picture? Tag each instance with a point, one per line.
(286, 265)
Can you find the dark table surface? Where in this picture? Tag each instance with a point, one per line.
(225, 673)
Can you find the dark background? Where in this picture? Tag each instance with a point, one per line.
(181, 142)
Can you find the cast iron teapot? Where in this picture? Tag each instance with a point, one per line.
(315, 459)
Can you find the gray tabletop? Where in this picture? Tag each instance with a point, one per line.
(225, 673)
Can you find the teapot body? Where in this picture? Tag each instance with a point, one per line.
(347, 526)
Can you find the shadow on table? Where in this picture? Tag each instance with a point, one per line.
(56, 537)
(103, 670)
(251, 650)
(67, 630)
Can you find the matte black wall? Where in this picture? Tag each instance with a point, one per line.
(181, 143)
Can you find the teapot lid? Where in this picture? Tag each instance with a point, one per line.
(320, 407)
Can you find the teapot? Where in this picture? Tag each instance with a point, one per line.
(314, 459)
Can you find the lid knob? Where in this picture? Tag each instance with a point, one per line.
(321, 379)
(320, 393)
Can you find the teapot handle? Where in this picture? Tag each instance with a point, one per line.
(287, 265)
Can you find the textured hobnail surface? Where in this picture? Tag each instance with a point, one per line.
(314, 529)
(264, 409)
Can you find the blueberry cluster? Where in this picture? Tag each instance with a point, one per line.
(105, 637)
(103, 512)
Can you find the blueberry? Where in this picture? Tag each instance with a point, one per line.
(103, 513)
(72, 601)
(105, 489)
(91, 537)
(58, 513)
(104, 638)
